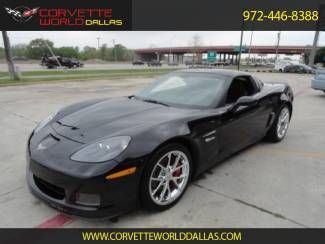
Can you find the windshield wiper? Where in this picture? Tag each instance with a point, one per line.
(155, 101)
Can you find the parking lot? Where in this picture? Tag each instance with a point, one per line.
(266, 185)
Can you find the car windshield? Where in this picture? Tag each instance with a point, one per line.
(197, 90)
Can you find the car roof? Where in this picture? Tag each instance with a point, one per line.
(224, 72)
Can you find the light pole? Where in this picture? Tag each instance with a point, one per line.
(250, 46)
(277, 47)
(170, 49)
(240, 48)
(113, 41)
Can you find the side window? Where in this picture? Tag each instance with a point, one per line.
(240, 86)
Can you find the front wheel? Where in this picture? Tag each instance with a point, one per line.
(280, 125)
(166, 177)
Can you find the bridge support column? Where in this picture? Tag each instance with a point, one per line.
(180, 58)
(158, 56)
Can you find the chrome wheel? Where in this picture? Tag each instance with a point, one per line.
(283, 122)
(169, 177)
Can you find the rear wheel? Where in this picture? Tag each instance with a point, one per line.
(166, 177)
(280, 125)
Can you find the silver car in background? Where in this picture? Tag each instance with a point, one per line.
(318, 82)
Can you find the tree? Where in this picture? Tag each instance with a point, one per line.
(37, 48)
(70, 52)
(196, 42)
(105, 53)
(122, 53)
(19, 50)
(320, 56)
(89, 53)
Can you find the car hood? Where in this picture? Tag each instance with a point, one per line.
(113, 117)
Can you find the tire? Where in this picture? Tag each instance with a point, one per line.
(158, 190)
(276, 134)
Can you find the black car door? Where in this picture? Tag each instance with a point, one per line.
(246, 124)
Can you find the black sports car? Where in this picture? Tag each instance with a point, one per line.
(104, 157)
(299, 68)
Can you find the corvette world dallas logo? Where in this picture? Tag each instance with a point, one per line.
(69, 17)
(21, 14)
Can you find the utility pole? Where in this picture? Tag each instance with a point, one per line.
(277, 47)
(115, 58)
(313, 50)
(250, 47)
(170, 50)
(11, 67)
(51, 51)
(240, 48)
(98, 39)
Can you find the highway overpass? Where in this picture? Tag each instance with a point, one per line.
(176, 54)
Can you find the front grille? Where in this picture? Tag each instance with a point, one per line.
(49, 189)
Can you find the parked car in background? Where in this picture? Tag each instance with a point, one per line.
(173, 64)
(154, 63)
(191, 62)
(282, 63)
(53, 62)
(138, 62)
(318, 82)
(299, 68)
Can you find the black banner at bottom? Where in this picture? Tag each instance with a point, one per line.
(73, 236)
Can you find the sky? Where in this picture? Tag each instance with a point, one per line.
(146, 39)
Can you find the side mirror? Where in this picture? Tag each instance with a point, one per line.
(243, 101)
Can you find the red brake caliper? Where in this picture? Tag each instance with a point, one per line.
(177, 172)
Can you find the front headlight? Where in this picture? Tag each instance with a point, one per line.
(103, 150)
(44, 122)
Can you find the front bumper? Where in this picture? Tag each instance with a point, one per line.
(60, 191)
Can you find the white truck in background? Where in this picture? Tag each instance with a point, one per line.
(281, 63)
